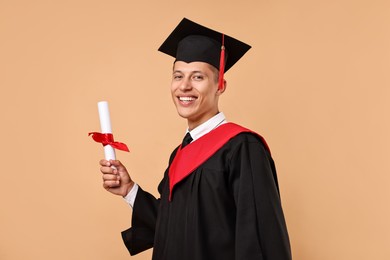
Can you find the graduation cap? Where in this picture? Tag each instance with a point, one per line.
(191, 42)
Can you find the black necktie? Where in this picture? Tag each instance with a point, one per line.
(186, 140)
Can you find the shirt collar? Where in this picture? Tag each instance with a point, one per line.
(207, 126)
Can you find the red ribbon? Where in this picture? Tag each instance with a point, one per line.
(108, 139)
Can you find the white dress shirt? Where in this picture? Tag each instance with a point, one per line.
(195, 133)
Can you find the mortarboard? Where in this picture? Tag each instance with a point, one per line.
(191, 42)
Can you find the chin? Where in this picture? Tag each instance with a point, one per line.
(184, 115)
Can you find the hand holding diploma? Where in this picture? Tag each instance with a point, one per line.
(116, 179)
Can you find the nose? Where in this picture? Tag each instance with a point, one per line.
(185, 85)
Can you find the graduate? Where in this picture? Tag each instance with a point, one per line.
(219, 196)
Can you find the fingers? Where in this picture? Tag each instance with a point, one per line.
(116, 163)
(109, 163)
(110, 173)
(104, 162)
(110, 167)
(108, 170)
(111, 181)
(115, 177)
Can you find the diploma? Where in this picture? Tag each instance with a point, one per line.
(106, 137)
(105, 127)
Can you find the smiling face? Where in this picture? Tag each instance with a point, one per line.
(195, 91)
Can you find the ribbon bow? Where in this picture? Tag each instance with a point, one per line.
(108, 139)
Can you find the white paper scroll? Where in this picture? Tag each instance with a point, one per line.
(105, 125)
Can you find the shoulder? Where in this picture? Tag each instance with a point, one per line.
(246, 135)
(247, 138)
(248, 141)
(245, 146)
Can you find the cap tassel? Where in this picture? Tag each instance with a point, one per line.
(222, 64)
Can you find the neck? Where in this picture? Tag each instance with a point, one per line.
(194, 124)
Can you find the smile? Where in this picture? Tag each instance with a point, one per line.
(187, 99)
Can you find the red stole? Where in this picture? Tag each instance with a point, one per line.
(197, 152)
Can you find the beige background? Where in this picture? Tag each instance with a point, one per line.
(315, 84)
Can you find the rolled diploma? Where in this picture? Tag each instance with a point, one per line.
(105, 126)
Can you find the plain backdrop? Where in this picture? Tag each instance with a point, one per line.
(315, 84)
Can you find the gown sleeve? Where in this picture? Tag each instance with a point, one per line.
(140, 236)
(261, 231)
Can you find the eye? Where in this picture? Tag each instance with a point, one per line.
(177, 77)
(198, 77)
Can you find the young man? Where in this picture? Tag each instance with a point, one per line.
(219, 196)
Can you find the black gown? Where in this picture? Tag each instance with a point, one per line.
(229, 209)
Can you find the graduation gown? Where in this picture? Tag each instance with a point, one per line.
(227, 208)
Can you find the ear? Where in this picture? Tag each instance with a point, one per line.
(222, 88)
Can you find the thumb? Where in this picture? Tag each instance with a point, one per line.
(120, 168)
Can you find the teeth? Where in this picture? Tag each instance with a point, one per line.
(186, 98)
